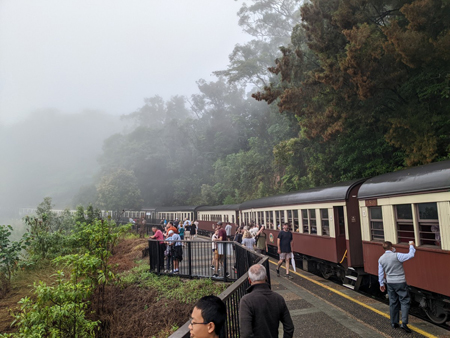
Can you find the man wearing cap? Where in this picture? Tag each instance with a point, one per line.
(176, 251)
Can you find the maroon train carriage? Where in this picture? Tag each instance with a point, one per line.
(325, 223)
(208, 216)
(412, 205)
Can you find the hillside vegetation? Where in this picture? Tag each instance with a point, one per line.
(88, 280)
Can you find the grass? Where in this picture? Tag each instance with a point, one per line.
(171, 287)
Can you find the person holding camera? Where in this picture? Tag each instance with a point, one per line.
(390, 267)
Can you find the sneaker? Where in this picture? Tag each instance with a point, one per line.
(215, 275)
(166, 271)
(212, 267)
(288, 276)
(218, 270)
(227, 274)
(278, 272)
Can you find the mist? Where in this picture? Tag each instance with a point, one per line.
(70, 69)
(108, 55)
(50, 154)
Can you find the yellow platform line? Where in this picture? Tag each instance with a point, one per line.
(412, 327)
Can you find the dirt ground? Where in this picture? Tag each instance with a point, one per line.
(133, 311)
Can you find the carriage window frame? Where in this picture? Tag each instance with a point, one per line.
(429, 228)
(376, 225)
(325, 221)
(312, 214)
(305, 221)
(404, 226)
(295, 219)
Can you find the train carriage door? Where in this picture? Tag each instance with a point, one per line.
(339, 224)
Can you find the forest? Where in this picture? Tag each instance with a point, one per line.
(325, 91)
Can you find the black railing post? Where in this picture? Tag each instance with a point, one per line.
(225, 256)
(190, 258)
(150, 255)
(158, 259)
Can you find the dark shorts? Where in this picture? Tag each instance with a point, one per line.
(178, 253)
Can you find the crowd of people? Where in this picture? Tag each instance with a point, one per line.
(252, 236)
(170, 234)
(210, 312)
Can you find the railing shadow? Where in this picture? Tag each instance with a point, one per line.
(196, 263)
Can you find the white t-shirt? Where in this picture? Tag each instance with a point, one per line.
(228, 229)
(213, 244)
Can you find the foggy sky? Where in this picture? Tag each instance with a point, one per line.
(109, 55)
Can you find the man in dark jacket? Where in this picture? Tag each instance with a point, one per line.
(261, 310)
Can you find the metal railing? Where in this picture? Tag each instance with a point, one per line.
(197, 260)
(196, 263)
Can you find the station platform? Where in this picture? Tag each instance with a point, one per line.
(321, 308)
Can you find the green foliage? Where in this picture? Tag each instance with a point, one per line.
(91, 214)
(79, 216)
(94, 242)
(370, 79)
(44, 244)
(186, 291)
(60, 310)
(98, 236)
(10, 254)
(55, 311)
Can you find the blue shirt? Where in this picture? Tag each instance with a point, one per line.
(174, 238)
(401, 258)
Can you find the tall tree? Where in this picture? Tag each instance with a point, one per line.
(359, 85)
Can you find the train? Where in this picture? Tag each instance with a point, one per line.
(338, 230)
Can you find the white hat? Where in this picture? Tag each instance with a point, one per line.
(170, 232)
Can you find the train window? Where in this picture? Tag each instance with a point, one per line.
(289, 218)
(269, 220)
(376, 224)
(429, 232)
(405, 226)
(312, 221)
(325, 222)
(305, 222)
(295, 212)
(278, 219)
